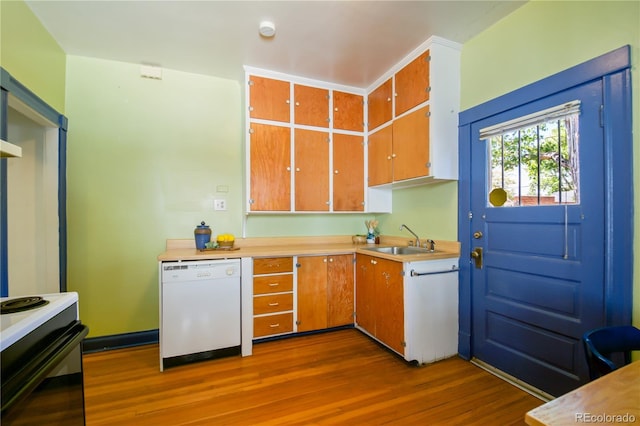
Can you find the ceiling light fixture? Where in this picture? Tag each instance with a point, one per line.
(267, 29)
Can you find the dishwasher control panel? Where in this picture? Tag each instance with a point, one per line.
(200, 270)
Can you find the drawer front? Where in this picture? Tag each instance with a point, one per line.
(272, 265)
(272, 303)
(273, 324)
(272, 284)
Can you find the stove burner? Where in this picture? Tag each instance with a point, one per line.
(21, 304)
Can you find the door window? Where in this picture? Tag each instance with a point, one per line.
(533, 160)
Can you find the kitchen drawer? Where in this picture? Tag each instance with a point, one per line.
(272, 265)
(272, 284)
(273, 324)
(272, 303)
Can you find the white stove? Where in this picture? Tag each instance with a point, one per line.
(16, 325)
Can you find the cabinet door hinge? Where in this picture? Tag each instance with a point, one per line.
(470, 215)
(601, 115)
(250, 82)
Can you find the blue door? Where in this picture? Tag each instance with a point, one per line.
(542, 273)
(540, 279)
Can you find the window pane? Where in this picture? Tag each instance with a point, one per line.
(537, 165)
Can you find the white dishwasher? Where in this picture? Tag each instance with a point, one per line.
(199, 310)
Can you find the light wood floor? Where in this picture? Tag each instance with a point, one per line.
(340, 377)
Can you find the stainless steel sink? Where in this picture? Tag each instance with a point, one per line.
(399, 250)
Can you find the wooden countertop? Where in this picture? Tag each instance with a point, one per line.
(184, 249)
(611, 399)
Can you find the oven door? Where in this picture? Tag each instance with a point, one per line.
(49, 387)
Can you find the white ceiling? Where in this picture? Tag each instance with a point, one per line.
(345, 42)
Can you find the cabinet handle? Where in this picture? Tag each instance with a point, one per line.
(395, 94)
(388, 99)
(288, 101)
(288, 168)
(335, 171)
(274, 325)
(335, 109)
(297, 169)
(388, 157)
(274, 304)
(331, 259)
(297, 103)
(374, 262)
(324, 260)
(274, 284)
(393, 156)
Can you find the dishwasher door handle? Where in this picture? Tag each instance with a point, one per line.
(446, 271)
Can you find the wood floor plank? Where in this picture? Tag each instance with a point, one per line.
(340, 377)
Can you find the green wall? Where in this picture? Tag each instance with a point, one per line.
(146, 159)
(544, 37)
(30, 54)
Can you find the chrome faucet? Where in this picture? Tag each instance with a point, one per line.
(431, 243)
(414, 234)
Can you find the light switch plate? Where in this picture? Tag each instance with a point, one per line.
(219, 204)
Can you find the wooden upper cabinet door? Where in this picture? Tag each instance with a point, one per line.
(269, 99)
(348, 111)
(380, 150)
(312, 293)
(389, 302)
(311, 106)
(270, 175)
(348, 173)
(311, 170)
(411, 145)
(340, 290)
(412, 84)
(380, 105)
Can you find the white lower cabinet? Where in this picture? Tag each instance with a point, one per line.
(431, 310)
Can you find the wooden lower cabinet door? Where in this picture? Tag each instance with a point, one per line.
(365, 294)
(389, 303)
(340, 290)
(312, 293)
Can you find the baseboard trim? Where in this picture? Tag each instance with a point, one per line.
(119, 341)
(302, 333)
(514, 381)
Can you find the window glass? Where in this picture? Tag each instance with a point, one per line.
(536, 165)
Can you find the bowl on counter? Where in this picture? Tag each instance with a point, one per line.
(359, 239)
